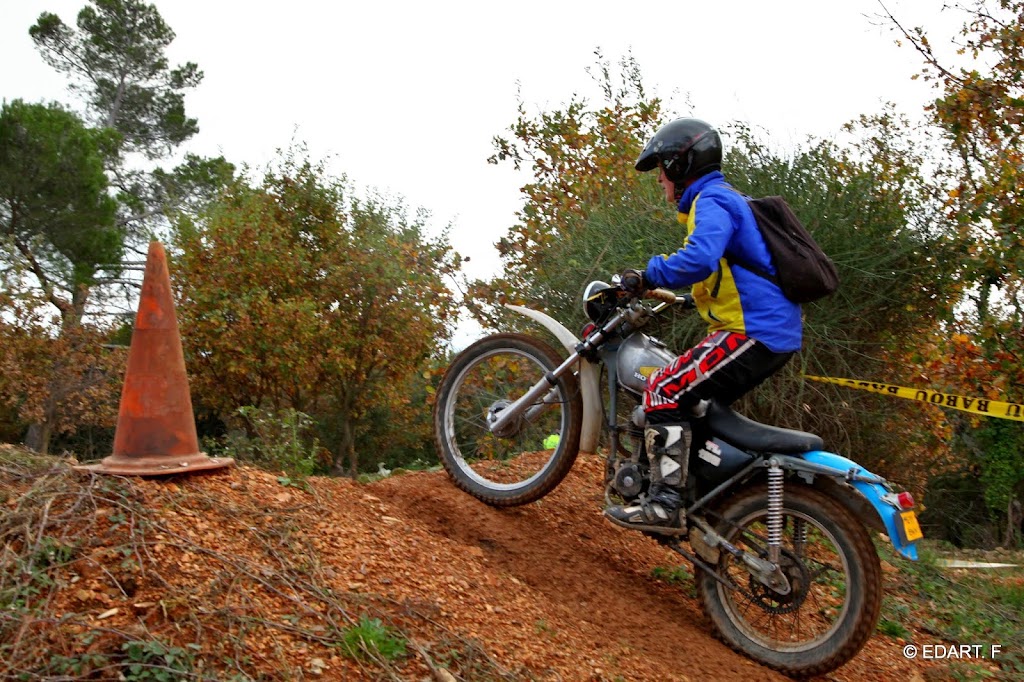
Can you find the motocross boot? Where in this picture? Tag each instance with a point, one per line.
(658, 511)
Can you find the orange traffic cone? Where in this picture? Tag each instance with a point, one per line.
(156, 430)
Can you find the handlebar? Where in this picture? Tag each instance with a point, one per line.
(663, 295)
(669, 297)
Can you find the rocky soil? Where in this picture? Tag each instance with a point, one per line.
(244, 574)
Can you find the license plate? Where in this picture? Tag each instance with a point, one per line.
(911, 527)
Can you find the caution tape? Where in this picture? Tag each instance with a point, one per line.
(982, 406)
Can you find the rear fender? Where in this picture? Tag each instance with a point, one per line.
(862, 492)
(589, 378)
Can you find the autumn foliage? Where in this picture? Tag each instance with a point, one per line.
(587, 214)
(59, 381)
(979, 109)
(580, 158)
(297, 294)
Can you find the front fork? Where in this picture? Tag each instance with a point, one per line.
(504, 420)
(514, 421)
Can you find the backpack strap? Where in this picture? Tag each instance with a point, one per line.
(763, 274)
(734, 260)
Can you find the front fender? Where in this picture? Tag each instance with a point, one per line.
(589, 378)
(871, 486)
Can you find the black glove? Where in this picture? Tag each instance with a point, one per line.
(634, 282)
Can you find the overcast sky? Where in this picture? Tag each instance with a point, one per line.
(407, 95)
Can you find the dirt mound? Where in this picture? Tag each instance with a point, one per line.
(243, 575)
(587, 585)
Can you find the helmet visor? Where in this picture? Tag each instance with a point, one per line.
(648, 160)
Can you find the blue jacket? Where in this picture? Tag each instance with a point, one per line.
(728, 297)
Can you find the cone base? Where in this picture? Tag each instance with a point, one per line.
(156, 465)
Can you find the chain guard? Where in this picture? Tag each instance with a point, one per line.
(763, 596)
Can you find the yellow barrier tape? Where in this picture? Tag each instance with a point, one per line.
(982, 406)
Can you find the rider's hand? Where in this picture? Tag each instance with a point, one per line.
(634, 282)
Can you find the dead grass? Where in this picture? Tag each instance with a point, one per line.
(243, 575)
(111, 578)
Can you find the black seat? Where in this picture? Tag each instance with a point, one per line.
(748, 434)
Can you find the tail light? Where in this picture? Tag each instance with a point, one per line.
(588, 329)
(905, 500)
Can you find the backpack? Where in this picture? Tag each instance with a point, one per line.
(804, 272)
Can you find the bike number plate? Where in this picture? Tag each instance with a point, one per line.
(911, 528)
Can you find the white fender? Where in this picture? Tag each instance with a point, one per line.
(589, 377)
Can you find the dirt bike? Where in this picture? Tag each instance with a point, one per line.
(777, 528)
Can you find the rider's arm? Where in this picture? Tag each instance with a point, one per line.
(704, 246)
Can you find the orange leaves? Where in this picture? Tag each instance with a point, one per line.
(294, 294)
(981, 110)
(581, 158)
(62, 383)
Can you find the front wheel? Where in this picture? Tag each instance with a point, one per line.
(531, 455)
(833, 570)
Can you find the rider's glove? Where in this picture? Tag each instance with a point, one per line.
(634, 282)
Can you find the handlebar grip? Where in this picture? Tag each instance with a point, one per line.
(663, 295)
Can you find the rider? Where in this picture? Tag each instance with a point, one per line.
(754, 329)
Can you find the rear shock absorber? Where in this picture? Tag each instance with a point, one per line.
(774, 522)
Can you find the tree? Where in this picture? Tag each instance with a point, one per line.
(57, 231)
(61, 384)
(581, 158)
(72, 202)
(979, 110)
(587, 214)
(298, 294)
(116, 60)
(56, 216)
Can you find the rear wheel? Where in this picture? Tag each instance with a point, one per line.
(529, 457)
(833, 571)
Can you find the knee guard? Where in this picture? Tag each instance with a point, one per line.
(668, 450)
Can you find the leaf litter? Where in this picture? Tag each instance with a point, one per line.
(229, 575)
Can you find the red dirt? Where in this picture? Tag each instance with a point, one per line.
(550, 591)
(593, 581)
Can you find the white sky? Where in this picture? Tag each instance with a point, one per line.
(407, 95)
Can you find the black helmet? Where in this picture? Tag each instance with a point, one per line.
(687, 148)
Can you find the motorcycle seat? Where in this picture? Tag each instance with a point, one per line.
(748, 434)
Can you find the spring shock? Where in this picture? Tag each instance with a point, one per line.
(774, 511)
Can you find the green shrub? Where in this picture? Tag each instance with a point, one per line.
(154, 660)
(275, 440)
(370, 638)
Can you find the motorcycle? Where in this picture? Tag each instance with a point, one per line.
(776, 527)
